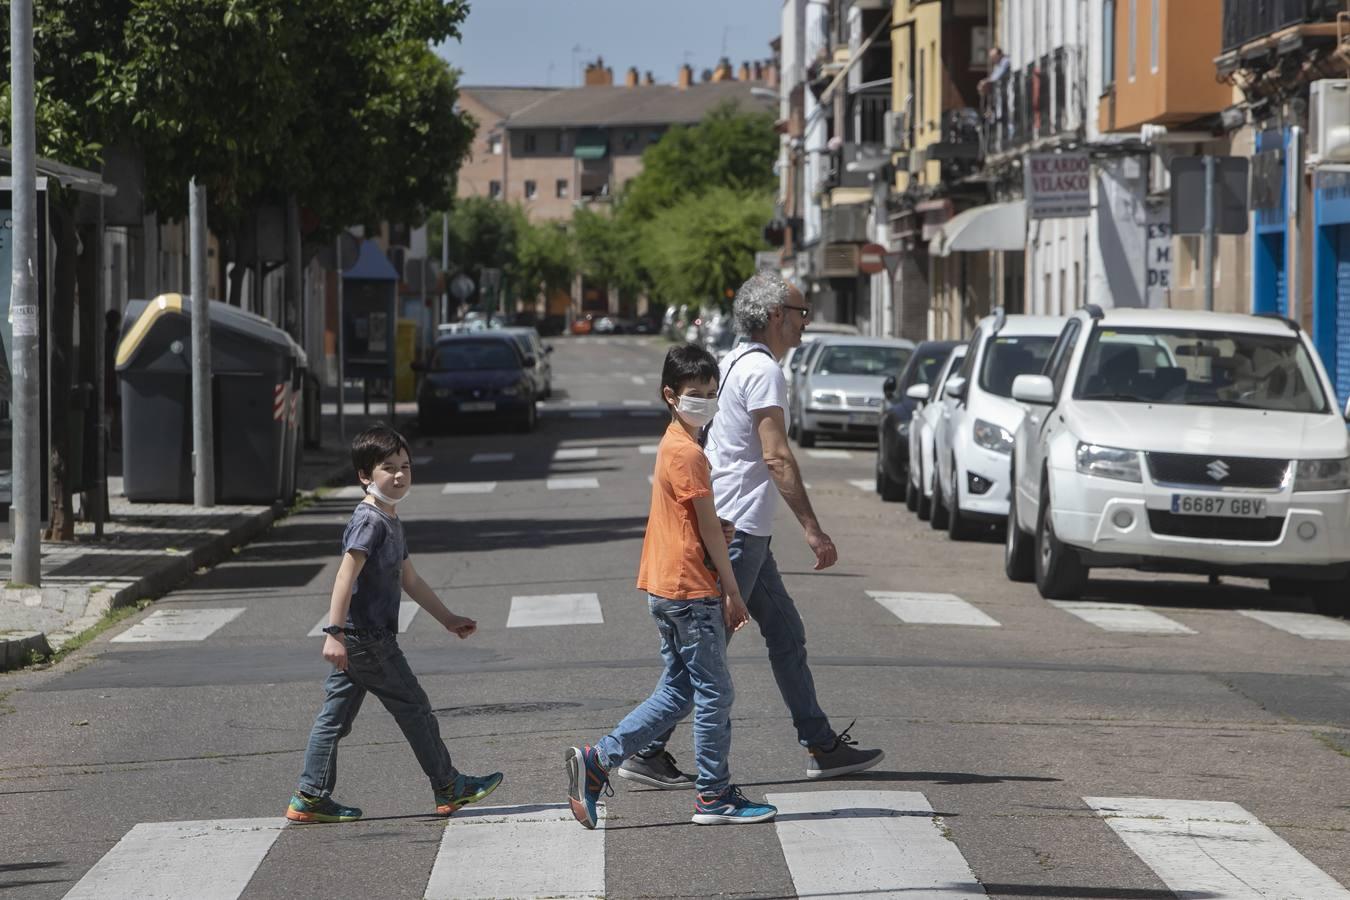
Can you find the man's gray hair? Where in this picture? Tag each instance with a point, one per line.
(757, 298)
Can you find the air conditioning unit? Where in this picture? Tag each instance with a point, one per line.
(839, 261)
(1329, 121)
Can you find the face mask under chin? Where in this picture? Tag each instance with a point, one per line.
(381, 496)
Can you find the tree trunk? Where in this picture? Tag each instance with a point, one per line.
(62, 349)
(90, 311)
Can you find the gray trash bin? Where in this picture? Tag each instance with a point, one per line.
(252, 364)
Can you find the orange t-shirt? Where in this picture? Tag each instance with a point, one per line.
(672, 565)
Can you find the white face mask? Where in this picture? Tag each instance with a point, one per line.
(697, 411)
(381, 496)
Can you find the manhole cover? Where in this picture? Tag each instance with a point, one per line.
(499, 709)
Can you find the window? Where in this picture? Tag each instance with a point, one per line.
(1007, 357)
(561, 189)
(1108, 44)
(495, 190)
(630, 139)
(1058, 364)
(1132, 36)
(557, 142)
(470, 356)
(1153, 37)
(531, 190)
(531, 143)
(495, 144)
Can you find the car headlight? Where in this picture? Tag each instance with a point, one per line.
(1108, 462)
(992, 437)
(826, 398)
(1322, 475)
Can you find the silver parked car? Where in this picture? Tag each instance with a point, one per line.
(840, 391)
(531, 344)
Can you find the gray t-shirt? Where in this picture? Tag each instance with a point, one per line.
(379, 587)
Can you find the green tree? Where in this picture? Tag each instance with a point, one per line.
(546, 259)
(605, 249)
(704, 246)
(484, 234)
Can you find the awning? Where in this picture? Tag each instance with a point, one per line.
(996, 226)
(591, 144)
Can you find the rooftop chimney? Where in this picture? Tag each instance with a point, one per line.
(631, 79)
(758, 71)
(647, 78)
(743, 73)
(686, 76)
(723, 70)
(597, 75)
(771, 74)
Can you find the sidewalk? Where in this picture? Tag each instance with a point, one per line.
(146, 550)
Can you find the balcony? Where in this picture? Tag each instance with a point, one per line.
(1245, 21)
(852, 165)
(959, 146)
(1031, 105)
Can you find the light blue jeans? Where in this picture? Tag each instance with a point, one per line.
(772, 608)
(697, 679)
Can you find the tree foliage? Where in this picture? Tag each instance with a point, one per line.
(704, 246)
(546, 259)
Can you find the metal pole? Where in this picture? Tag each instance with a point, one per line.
(1294, 272)
(27, 378)
(1207, 255)
(445, 267)
(100, 386)
(203, 450)
(341, 348)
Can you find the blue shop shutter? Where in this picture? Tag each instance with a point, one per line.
(1342, 263)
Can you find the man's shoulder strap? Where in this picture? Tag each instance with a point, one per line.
(703, 432)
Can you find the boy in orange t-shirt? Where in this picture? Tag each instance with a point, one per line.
(692, 595)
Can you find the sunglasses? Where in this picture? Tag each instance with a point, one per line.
(804, 310)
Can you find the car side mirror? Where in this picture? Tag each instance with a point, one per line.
(919, 392)
(530, 361)
(888, 387)
(956, 387)
(1038, 389)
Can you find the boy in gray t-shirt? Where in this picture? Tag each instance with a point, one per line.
(362, 643)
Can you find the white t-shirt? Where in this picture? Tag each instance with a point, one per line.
(742, 487)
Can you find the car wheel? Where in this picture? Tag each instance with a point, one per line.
(925, 502)
(1330, 598)
(890, 489)
(528, 419)
(1060, 573)
(959, 527)
(938, 521)
(1019, 559)
(806, 439)
(912, 494)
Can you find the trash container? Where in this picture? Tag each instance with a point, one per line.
(252, 364)
(290, 467)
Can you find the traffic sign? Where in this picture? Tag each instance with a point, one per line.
(1229, 190)
(872, 259)
(461, 287)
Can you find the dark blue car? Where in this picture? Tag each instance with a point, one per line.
(893, 428)
(479, 376)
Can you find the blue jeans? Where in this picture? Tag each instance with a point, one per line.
(375, 665)
(772, 608)
(693, 645)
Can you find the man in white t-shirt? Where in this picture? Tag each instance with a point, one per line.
(752, 466)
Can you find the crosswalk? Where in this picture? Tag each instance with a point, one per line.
(835, 843)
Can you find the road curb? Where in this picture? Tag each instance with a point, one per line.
(17, 647)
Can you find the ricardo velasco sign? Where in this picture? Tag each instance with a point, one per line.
(1058, 185)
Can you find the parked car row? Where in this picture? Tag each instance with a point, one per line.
(1157, 440)
(491, 375)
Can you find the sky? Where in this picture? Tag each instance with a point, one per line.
(547, 42)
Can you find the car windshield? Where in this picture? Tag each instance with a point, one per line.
(862, 359)
(1008, 357)
(1200, 368)
(468, 356)
(928, 367)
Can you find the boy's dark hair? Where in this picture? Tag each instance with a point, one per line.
(686, 363)
(374, 445)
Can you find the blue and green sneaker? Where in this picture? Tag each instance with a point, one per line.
(586, 780)
(731, 807)
(308, 809)
(465, 789)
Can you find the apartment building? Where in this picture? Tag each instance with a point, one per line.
(484, 172)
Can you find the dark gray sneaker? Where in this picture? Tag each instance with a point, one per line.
(658, 771)
(842, 758)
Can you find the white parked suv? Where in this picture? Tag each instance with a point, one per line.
(1179, 441)
(974, 435)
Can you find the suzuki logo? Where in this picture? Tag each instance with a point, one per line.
(1218, 470)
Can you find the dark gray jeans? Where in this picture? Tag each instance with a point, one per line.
(375, 665)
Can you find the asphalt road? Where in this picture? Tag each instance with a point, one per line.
(1030, 752)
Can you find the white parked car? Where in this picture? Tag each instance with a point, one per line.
(919, 497)
(974, 435)
(842, 387)
(1179, 441)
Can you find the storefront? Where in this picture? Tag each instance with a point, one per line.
(1269, 256)
(1331, 273)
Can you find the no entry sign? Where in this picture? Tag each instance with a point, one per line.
(872, 259)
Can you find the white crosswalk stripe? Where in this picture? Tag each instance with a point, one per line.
(1304, 625)
(863, 484)
(1214, 849)
(1125, 617)
(350, 492)
(535, 851)
(492, 457)
(469, 487)
(421, 460)
(210, 860)
(869, 844)
(179, 625)
(564, 454)
(584, 415)
(554, 609)
(407, 609)
(917, 608)
(572, 484)
(648, 449)
(829, 454)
